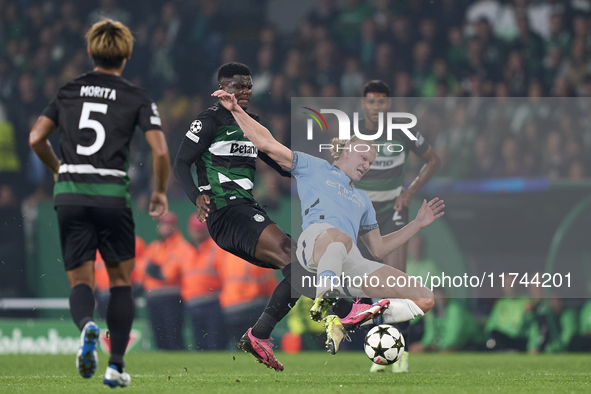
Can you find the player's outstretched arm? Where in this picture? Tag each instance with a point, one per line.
(161, 159)
(380, 246)
(432, 164)
(39, 143)
(255, 132)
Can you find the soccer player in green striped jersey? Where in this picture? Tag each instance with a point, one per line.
(96, 115)
(225, 161)
(384, 182)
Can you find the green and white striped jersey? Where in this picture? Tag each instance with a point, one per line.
(225, 159)
(385, 179)
(96, 115)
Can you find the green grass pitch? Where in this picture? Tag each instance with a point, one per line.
(313, 372)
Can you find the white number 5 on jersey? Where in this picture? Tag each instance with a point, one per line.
(87, 123)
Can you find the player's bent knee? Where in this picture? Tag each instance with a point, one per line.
(278, 258)
(119, 278)
(287, 249)
(82, 275)
(426, 304)
(120, 273)
(344, 239)
(86, 281)
(274, 247)
(119, 282)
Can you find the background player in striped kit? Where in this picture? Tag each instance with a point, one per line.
(97, 114)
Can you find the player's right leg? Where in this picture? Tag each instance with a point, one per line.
(407, 299)
(246, 231)
(329, 247)
(120, 314)
(78, 239)
(117, 246)
(82, 309)
(275, 248)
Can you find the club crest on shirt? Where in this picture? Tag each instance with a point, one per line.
(258, 218)
(196, 126)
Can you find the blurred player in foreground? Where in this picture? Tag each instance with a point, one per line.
(96, 115)
(333, 214)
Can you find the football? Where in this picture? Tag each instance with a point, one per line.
(384, 344)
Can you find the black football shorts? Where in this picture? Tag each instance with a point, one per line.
(236, 228)
(85, 229)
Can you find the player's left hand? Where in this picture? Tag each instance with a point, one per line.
(56, 171)
(158, 204)
(403, 201)
(430, 211)
(202, 205)
(227, 100)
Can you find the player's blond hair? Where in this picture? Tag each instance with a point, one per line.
(338, 146)
(109, 43)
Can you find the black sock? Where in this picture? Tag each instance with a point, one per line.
(120, 313)
(81, 305)
(279, 305)
(300, 280)
(264, 326)
(342, 307)
(404, 328)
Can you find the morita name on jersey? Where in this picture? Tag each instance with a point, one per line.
(98, 91)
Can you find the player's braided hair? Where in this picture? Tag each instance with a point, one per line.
(338, 146)
(110, 42)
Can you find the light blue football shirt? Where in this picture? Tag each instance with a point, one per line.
(328, 197)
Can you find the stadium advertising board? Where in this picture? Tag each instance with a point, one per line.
(54, 337)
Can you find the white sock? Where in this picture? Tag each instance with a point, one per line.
(330, 266)
(400, 310)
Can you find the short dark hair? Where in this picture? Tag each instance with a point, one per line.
(376, 86)
(228, 70)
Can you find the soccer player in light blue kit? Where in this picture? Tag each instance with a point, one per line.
(333, 213)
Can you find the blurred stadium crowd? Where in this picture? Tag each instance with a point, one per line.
(493, 49)
(460, 48)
